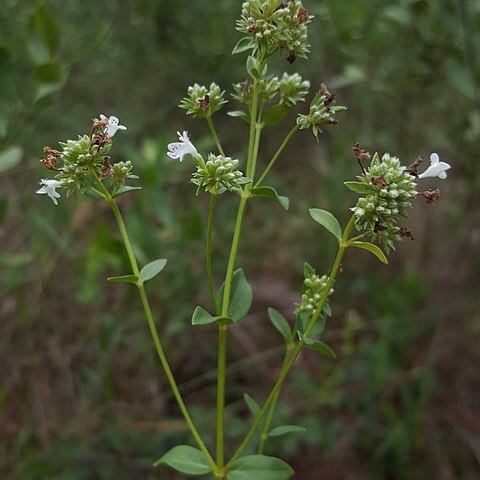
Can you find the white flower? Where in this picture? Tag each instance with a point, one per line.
(436, 168)
(182, 148)
(113, 126)
(48, 187)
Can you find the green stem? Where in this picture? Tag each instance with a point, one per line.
(298, 348)
(277, 154)
(221, 380)
(208, 252)
(151, 323)
(211, 126)
(253, 142)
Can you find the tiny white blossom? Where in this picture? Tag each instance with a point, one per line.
(182, 148)
(49, 187)
(113, 125)
(436, 168)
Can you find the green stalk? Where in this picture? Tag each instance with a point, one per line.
(343, 245)
(253, 142)
(277, 154)
(151, 324)
(211, 126)
(208, 252)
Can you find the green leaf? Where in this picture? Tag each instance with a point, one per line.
(185, 459)
(371, 248)
(308, 270)
(269, 192)
(124, 189)
(244, 44)
(259, 467)
(239, 114)
(10, 157)
(202, 317)
(280, 323)
(327, 220)
(275, 114)
(152, 269)
(124, 279)
(285, 429)
(317, 345)
(240, 298)
(252, 68)
(358, 187)
(252, 405)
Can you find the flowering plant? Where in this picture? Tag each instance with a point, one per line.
(386, 190)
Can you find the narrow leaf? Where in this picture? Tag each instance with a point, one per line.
(358, 187)
(285, 429)
(327, 220)
(372, 249)
(125, 189)
(317, 345)
(185, 459)
(152, 269)
(269, 192)
(241, 296)
(275, 114)
(239, 114)
(280, 323)
(244, 44)
(252, 405)
(261, 467)
(124, 279)
(202, 317)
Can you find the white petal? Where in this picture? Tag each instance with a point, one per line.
(42, 190)
(102, 117)
(434, 158)
(442, 175)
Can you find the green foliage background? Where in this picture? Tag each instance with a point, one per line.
(82, 395)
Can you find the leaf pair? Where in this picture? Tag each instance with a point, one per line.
(148, 272)
(330, 223)
(241, 297)
(191, 461)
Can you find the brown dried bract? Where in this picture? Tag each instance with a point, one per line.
(329, 97)
(204, 102)
(378, 228)
(51, 159)
(380, 181)
(360, 155)
(245, 86)
(406, 233)
(99, 124)
(291, 57)
(251, 28)
(100, 139)
(106, 169)
(413, 168)
(302, 16)
(431, 195)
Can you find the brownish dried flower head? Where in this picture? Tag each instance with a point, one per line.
(413, 168)
(302, 16)
(431, 195)
(406, 233)
(380, 181)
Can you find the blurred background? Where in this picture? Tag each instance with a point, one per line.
(82, 395)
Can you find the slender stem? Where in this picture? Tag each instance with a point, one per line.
(151, 324)
(222, 338)
(211, 126)
(298, 348)
(208, 252)
(221, 380)
(277, 154)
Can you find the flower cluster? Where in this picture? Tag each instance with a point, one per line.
(322, 110)
(81, 160)
(387, 188)
(217, 174)
(272, 25)
(313, 290)
(203, 102)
